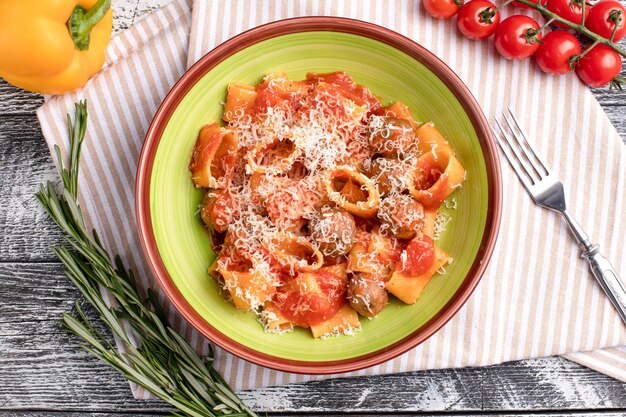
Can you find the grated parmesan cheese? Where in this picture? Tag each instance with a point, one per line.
(441, 222)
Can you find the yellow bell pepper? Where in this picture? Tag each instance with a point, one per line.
(53, 46)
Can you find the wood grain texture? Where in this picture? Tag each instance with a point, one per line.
(15, 101)
(42, 367)
(24, 163)
(619, 413)
(541, 384)
(37, 369)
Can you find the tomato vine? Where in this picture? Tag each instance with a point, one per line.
(519, 36)
(578, 28)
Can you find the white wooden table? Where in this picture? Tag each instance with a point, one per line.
(43, 372)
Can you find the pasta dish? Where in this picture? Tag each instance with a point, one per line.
(321, 202)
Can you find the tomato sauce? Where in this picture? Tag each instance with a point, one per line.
(304, 307)
(346, 87)
(420, 256)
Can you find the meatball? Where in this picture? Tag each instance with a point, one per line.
(334, 230)
(389, 174)
(367, 294)
(400, 216)
(392, 137)
(219, 209)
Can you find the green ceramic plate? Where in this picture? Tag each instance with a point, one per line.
(178, 246)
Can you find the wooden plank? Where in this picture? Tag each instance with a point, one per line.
(549, 384)
(25, 163)
(77, 414)
(16, 101)
(541, 384)
(616, 413)
(451, 390)
(610, 97)
(126, 12)
(42, 367)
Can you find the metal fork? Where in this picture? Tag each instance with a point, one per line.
(547, 191)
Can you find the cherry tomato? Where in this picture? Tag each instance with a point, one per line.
(478, 19)
(601, 19)
(513, 38)
(441, 9)
(523, 6)
(599, 66)
(554, 53)
(420, 256)
(568, 9)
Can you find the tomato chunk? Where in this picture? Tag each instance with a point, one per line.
(311, 298)
(343, 85)
(420, 256)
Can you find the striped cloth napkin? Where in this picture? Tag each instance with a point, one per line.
(537, 297)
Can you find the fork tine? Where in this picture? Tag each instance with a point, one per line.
(520, 151)
(529, 148)
(522, 165)
(513, 160)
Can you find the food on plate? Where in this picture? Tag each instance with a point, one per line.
(322, 203)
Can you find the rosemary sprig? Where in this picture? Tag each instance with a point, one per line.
(162, 361)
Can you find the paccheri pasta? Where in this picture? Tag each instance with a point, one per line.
(321, 202)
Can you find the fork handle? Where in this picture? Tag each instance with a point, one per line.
(607, 277)
(601, 267)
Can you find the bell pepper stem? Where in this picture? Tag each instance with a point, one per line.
(81, 22)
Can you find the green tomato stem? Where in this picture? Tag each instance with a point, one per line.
(586, 51)
(578, 28)
(613, 33)
(503, 4)
(545, 25)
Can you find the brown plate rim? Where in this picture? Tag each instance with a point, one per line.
(316, 24)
